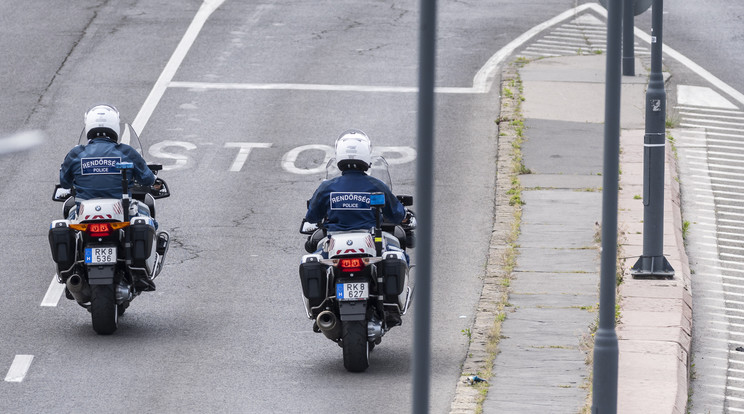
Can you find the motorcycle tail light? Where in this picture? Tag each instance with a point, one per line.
(355, 264)
(99, 229)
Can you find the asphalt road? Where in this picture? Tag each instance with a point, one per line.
(226, 330)
(256, 97)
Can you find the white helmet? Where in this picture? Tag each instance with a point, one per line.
(102, 120)
(353, 150)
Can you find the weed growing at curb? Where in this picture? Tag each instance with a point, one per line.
(509, 203)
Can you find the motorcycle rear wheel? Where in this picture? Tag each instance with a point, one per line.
(356, 346)
(103, 309)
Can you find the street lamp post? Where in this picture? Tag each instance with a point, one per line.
(424, 201)
(604, 385)
(653, 263)
(628, 38)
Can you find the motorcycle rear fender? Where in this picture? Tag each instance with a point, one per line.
(100, 275)
(353, 311)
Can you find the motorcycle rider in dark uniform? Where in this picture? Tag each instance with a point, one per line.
(344, 201)
(90, 169)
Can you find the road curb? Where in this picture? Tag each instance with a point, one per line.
(655, 331)
(482, 349)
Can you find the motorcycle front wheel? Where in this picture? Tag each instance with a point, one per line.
(103, 309)
(355, 345)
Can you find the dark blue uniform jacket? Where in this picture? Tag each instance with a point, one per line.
(345, 202)
(90, 169)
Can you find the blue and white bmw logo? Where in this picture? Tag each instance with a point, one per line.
(98, 208)
(349, 242)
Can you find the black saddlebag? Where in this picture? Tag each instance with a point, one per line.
(313, 278)
(394, 277)
(62, 244)
(143, 236)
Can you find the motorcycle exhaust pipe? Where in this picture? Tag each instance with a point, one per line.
(328, 324)
(79, 289)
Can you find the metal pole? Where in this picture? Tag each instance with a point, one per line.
(424, 207)
(652, 262)
(628, 38)
(604, 387)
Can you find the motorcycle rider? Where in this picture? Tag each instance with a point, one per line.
(344, 201)
(91, 169)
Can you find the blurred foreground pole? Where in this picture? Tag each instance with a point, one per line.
(424, 207)
(653, 263)
(628, 38)
(604, 387)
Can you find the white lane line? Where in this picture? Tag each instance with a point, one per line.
(206, 9)
(296, 86)
(54, 292)
(19, 368)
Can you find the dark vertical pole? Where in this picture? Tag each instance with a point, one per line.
(604, 387)
(628, 38)
(424, 207)
(652, 262)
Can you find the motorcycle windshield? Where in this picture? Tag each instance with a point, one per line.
(379, 170)
(127, 135)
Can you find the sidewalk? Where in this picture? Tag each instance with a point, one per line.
(553, 292)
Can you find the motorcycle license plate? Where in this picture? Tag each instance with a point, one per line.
(100, 255)
(352, 291)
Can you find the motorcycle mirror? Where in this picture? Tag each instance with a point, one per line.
(405, 199)
(162, 192)
(308, 228)
(61, 194)
(155, 167)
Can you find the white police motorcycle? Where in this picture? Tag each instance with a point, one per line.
(107, 254)
(358, 287)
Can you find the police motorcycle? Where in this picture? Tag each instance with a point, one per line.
(107, 254)
(356, 284)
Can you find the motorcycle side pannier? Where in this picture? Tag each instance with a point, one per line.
(142, 239)
(313, 278)
(394, 276)
(62, 244)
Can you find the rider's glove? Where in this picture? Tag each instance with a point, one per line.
(410, 220)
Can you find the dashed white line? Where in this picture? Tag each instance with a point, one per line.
(19, 368)
(53, 293)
